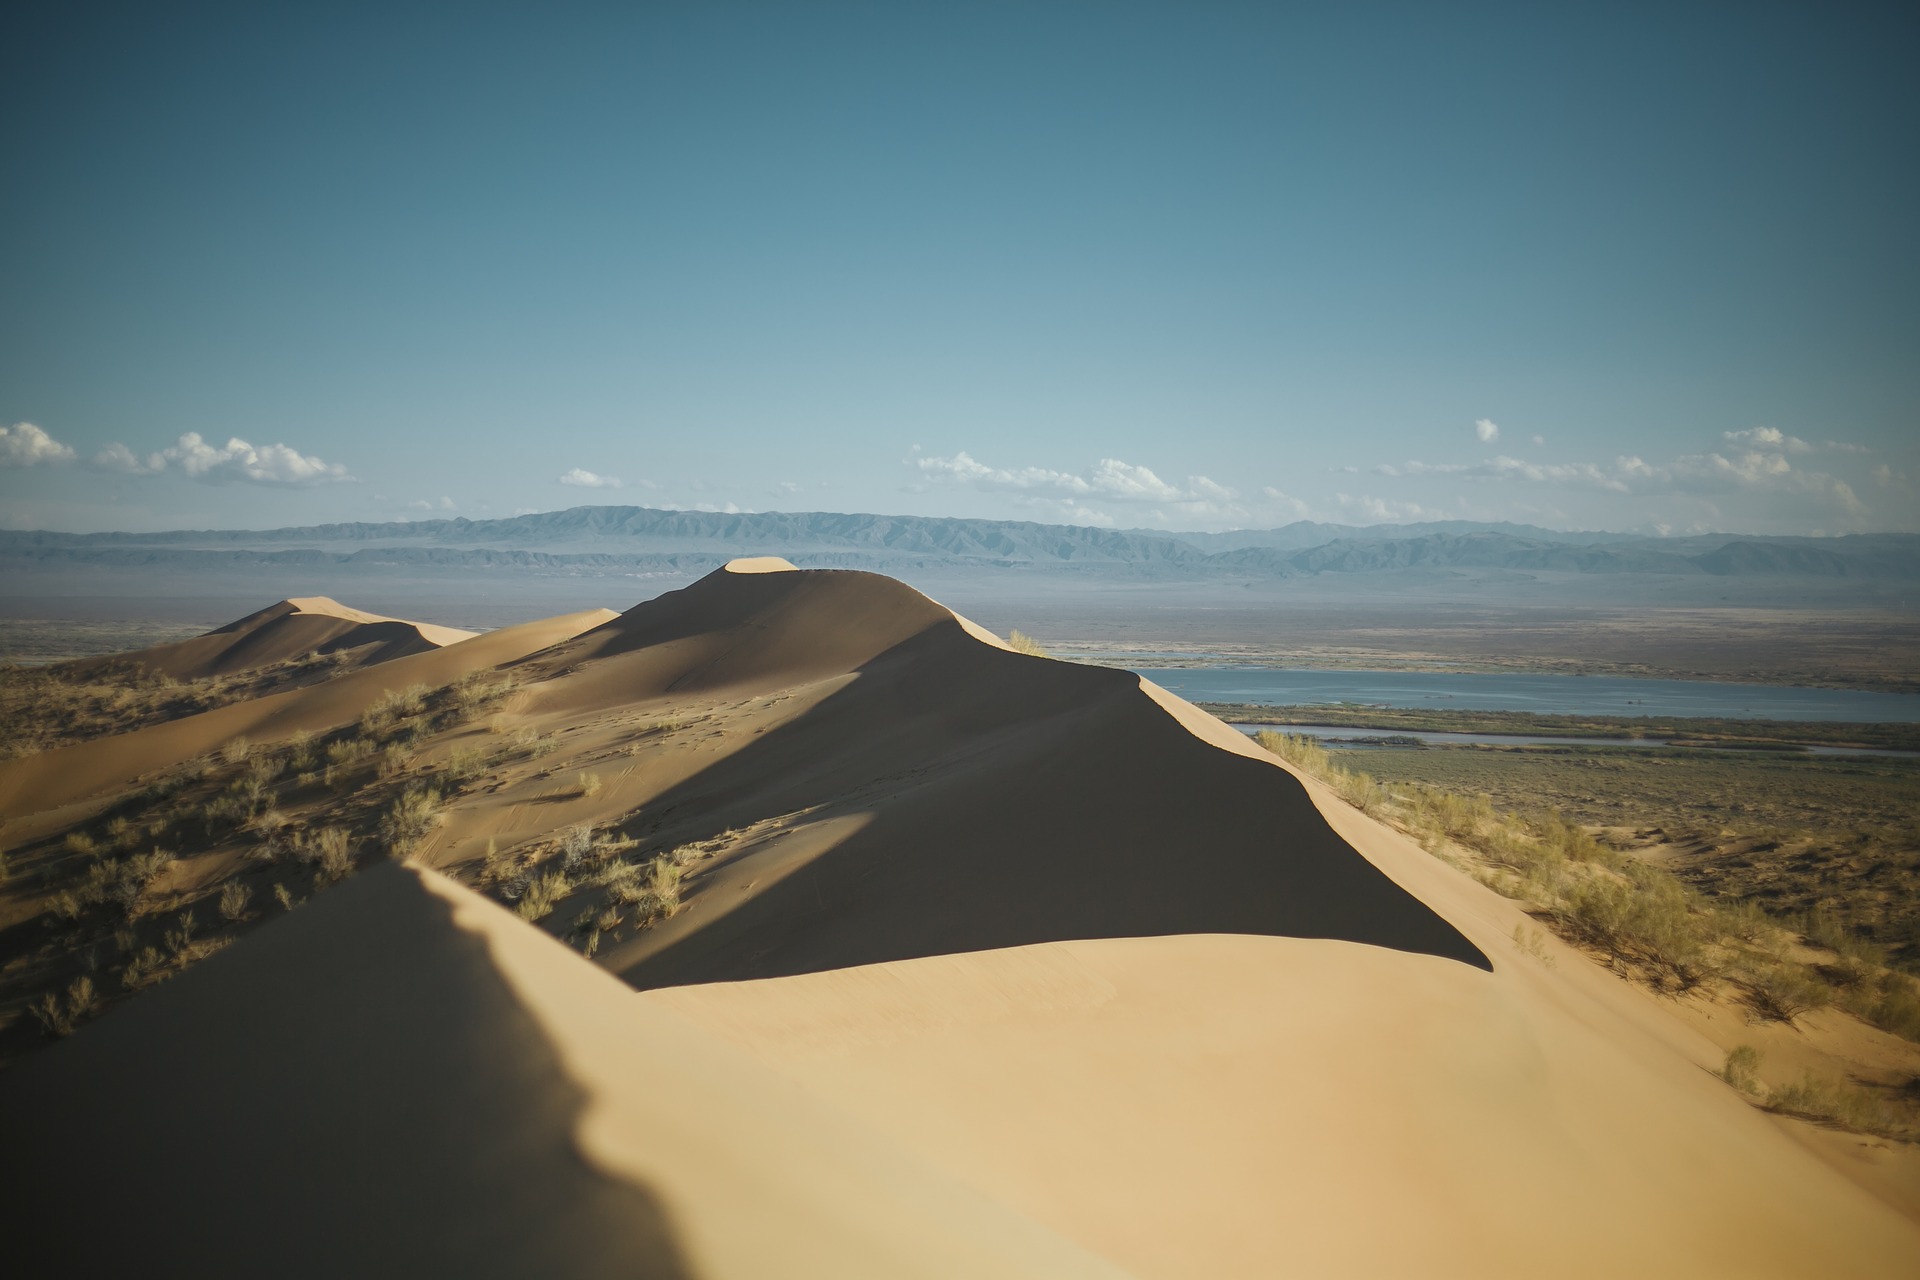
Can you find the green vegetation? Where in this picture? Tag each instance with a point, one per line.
(1834, 836)
(1634, 914)
(47, 707)
(1639, 918)
(1703, 731)
(1742, 1069)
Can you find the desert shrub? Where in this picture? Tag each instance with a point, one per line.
(408, 819)
(180, 937)
(1838, 1102)
(1298, 750)
(262, 770)
(1898, 1008)
(1642, 915)
(1782, 990)
(145, 968)
(58, 1017)
(392, 707)
(236, 751)
(589, 783)
(233, 900)
(1572, 842)
(395, 758)
(1362, 792)
(80, 844)
(1742, 1068)
(576, 842)
(472, 694)
(654, 895)
(348, 751)
(542, 893)
(300, 751)
(1743, 920)
(1021, 642)
(465, 764)
(331, 851)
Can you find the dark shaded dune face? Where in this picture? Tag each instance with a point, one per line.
(1010, 800)
(298, 1107)
(742, 630)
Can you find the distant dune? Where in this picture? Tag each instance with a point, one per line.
(280, 632)
(979, 964)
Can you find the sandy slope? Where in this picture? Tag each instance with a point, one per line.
(1050, 931)
(402, 1079)
(291, 628)
(31, 784)
(987, 798)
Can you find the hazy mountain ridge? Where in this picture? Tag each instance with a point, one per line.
(640, 539)
(1304, 535)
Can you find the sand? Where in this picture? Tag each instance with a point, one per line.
(400, 1078)
(51, 779)
(986, 965)
(292, 628)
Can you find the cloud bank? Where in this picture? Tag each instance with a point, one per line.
(281, 465)
(581, 478)
(25, 445)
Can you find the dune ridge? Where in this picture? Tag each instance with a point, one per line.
(291, 628)
(65, 775)
(551, 1126)
(982, 964)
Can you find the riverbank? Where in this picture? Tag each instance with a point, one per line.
(1685, 730)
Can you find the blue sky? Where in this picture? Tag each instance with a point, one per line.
(1177, 266)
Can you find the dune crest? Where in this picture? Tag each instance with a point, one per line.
(51, 779)
(552, 1126)
(759, 564)
(289, 629)
(952, 960)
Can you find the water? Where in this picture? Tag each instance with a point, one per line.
(1542, 694)
(1349, 739)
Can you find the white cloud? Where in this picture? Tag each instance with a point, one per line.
(581, 478)
(1539, 441)
(25, 445)
(1842, 446)
(1110, 478)
(1486, 430)
(425, 504)
(1068, 495)
(275, 464)
(1767, 438)
(117, 457)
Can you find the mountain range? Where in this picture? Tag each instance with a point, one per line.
(613, 540)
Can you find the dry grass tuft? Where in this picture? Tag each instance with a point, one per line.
(1021, 642)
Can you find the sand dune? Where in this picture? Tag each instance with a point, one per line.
(985, 965)
(1006, 799)
(402, 1079)
(292, 628)
(51, 779)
